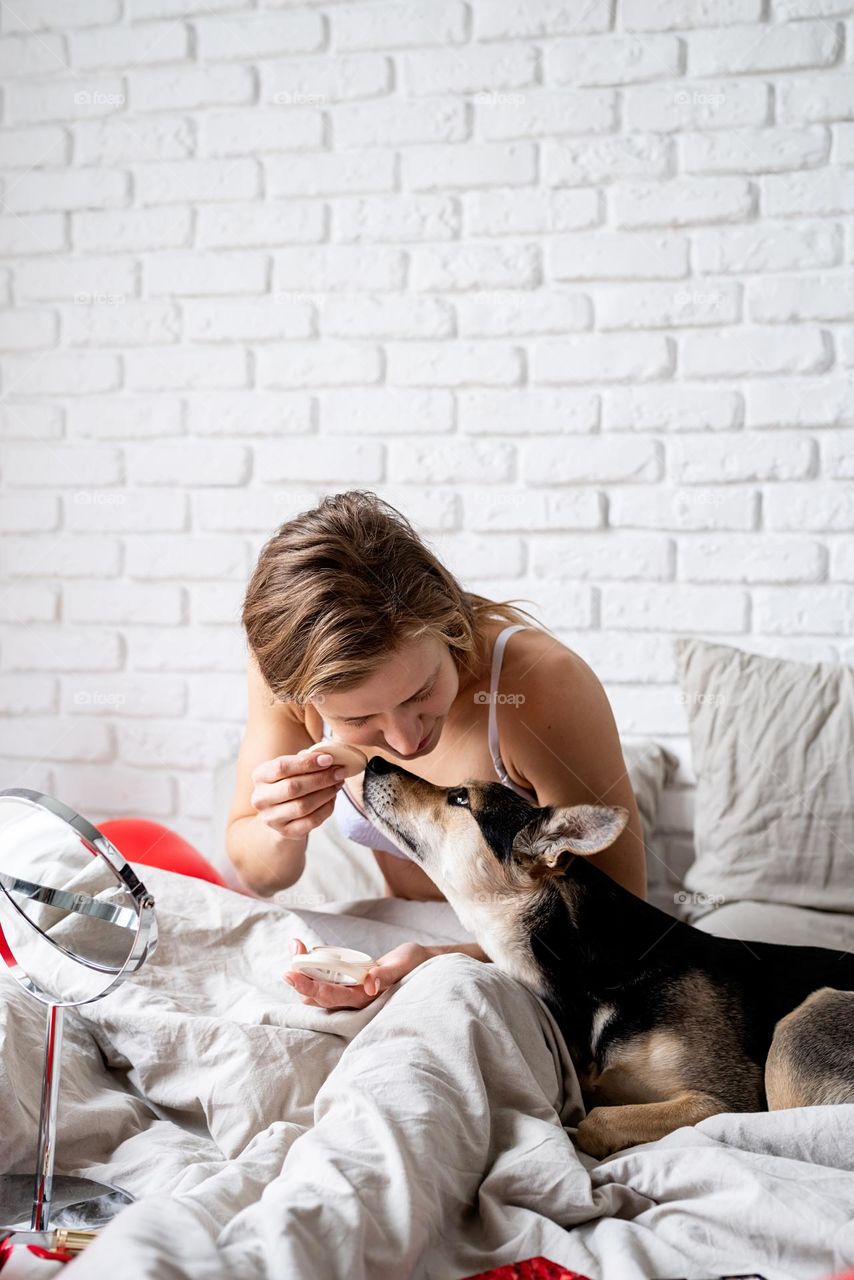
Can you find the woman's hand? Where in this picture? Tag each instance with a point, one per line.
(382, 974)
(295, 794)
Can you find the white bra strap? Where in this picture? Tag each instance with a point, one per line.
(492, 733)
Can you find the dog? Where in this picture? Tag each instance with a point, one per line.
(666, 1025)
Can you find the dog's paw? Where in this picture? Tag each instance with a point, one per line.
(599, 1133)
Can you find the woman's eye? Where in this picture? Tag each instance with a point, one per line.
(356, 724)
(459, 795)
(422, 697)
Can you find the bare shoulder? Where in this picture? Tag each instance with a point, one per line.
(543, 669)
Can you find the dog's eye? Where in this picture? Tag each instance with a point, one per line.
(459, 795)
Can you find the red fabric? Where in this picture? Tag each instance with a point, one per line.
(153, 845)
(530, 1269)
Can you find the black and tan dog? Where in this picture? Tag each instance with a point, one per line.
(666, 1025)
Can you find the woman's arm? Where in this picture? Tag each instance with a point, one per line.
(562, 739)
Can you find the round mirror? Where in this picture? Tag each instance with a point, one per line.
(75, 921)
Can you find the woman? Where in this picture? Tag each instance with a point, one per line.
(356, 631)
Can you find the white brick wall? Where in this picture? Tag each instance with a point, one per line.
(571, 285)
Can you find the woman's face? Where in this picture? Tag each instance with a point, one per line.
(401, 707)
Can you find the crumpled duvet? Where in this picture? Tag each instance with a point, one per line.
(428, 1135)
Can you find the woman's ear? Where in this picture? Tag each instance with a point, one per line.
(558, 833)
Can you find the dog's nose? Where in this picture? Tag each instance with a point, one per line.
(377, 764)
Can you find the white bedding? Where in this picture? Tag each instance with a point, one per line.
(426, 1135)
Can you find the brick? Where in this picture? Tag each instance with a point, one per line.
(499, 508)
(753, 249)
(142, 10)
(126, 47)
(124, 418)
(247, 511)
(612, 59)
(386, 411)
(724, 507)
(182, 88)
(330, 173)
(683, 201)
(665, 15)
(470, 556)
(594, 460)
(810, 508)
(819, 192)
(841, 568)
(700, 104)
(258, 35)
(40, 15)
(809, 98)
(61, 648)
(54, 738)
(751, 558)
(61, 373)
(793, 298)
(398, 26)
(86, 281)
(498, 315)
(618, 657)
(190, 273)
(111, 142)
(28, 603)
(27, 330)
(806, 611)
(676, 607)
(126, 511)
(59, 555)
(671, 408)
(434, 510)
(394, 123)
(26, 148)
(363, 316)
(253, 413)
(242, 224)
(124, 602)
(188, 463)
(310, 364)
(26, 695)
(498, 20)
(30, 421)
(602, 556)
(453, 364)
(534, 212)
(753, 150)
(222, 698)
(596, 358)
(127, 324)
(44, 189)
(246, 319)
(843, 143)
(64, 99)
(762, 48)
(615, 255)
(543, 112)
(24, 55)
(368, 219)
(32, 233)
(248, 131)
(172, 744)
(147, 791)
(459, 268)
(657, 711)
(528, 411)
(322, 81)
(338, 267)
(173, 368)
(189, 558)
(445, 461)
(56, 464)
(321, 461)
(585, 163)
(181, 181)
(754, 351)
(131, 230)
(837, 455)
(468, 70)
(29, 513)
(488, 164)
(800, 402)
(217, 602)
(721, 459)
(656, 306)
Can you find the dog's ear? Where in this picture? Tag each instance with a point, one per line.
(557, 833)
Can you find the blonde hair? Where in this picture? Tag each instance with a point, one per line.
(338, 588)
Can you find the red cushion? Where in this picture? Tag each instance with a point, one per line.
(153, 845)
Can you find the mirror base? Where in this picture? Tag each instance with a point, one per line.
(76, 1202)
